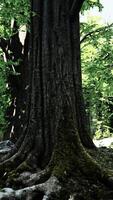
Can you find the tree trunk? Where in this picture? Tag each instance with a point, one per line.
(56, 127)
(56, 72)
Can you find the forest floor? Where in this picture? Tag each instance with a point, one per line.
(90, 190)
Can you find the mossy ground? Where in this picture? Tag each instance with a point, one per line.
(86, 188)
(104, 156)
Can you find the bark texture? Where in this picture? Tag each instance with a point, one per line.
(55, 127)
(56, 71)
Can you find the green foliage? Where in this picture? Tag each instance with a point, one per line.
(105, 134)
(13, 10)
(10, 11)
(4, 95)
(97, 68)
(88, 4)
(5, 99)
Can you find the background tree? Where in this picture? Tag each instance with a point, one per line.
(14, 57)
(4, 94)
(96, 48)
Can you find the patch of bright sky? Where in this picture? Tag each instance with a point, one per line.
(105, 16)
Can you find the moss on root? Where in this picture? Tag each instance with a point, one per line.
(70, 155)
(69, 159)
(24, 166)
(64, 157)
(12, 176)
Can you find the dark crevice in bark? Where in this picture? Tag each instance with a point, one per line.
(41, 80)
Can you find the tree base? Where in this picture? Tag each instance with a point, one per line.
(71, 173)
(69, 188)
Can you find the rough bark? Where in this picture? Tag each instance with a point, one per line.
(55, 134)
(57, 71)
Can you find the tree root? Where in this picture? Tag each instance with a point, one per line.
(13, 176)
(85, 166)
(54, 189)
(15, 150)
(92, 169)
(16, 159)
(38, 177)
(8, 155)
(23, 176)
(42, 191)
(10, 163)
(69, 157)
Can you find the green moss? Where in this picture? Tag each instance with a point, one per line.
(15, 173)
(70, 155)
(23, 167)
(65, 153)
(12, 177)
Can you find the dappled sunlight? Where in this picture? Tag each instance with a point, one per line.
(105, 142)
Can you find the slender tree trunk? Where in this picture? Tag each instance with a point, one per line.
(13, 52)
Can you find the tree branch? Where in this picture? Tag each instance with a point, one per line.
(95, 31)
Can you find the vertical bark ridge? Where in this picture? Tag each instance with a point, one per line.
(55, 74)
